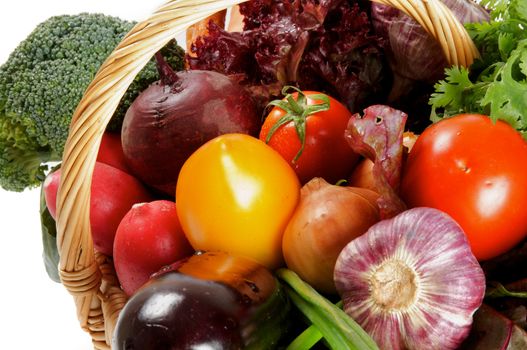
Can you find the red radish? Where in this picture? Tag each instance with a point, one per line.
(51, 186)
(148, 238)
(113, 192)
(111, 151)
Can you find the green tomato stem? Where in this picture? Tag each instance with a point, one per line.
(297, 111)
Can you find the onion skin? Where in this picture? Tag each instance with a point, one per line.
(326, 219)
(362, 175)
(378, 135)
(168, 122)
(434, 284)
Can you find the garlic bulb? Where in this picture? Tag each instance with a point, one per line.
(411, 281)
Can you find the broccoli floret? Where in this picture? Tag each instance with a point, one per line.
(42, 83)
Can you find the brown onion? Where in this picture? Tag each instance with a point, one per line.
(362, 175)
(325, 220)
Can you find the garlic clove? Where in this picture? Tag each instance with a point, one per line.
(412, 281)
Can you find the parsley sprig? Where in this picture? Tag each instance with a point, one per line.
(496, 84)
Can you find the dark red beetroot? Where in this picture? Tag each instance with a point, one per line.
(176, 115)
(113, 192)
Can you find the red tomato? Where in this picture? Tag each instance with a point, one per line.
(476, 171)
(113, 192)
(326, 152)
(148, 238)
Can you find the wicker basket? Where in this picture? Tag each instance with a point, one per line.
(89, 276)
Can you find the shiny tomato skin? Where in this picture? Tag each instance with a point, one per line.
(326, 153)
(236, 194)
(476, 171)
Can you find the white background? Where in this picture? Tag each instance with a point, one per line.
(37, 313)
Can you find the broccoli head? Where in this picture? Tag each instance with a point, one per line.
(43, 81)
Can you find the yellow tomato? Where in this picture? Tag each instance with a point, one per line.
(236, 194)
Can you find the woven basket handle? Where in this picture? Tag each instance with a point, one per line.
(88, 276)
(437, 19)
